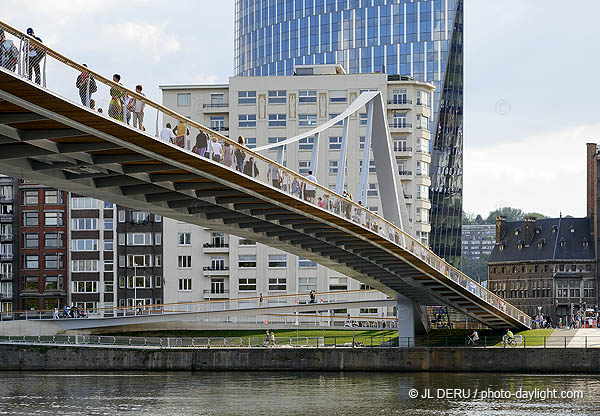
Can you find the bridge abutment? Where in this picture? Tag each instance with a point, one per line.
(405, 313)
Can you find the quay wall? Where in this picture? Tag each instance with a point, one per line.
(50, 357)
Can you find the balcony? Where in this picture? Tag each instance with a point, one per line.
(215, 248)
(216, 108)
(403, 151)
(408, 197)
(6, 296)
(216, 271)
(6, 198)
(6, 276)
(398, 103)
(6, 217)
(209, 294)
(220, 128)
(6, 256)
(6, 238)
(399, 127)
(405, 173)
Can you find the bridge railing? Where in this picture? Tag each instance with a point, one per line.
(91, 90)
(211, 305)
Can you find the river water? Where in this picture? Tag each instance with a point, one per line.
(252, 393)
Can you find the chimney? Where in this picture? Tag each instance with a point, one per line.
(529, 230)
(500, 228)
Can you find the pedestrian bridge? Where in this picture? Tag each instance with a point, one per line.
(48, 137)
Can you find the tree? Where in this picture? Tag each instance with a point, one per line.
(511, 214)
(476, 269)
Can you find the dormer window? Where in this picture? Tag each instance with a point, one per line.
(501, 247)
(520, 246)
(517, 231)
(563, 243)
(572, 229)
(554, 228)
(585, 243)
(540, 244)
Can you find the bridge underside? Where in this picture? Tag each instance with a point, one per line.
(48, 140)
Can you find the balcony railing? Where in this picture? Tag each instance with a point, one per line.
(215, 105)
(400, 125)
(220, 128)
(213, 245)
(215, 269)
(6, 217)
(405, 172)
(6, 238)
(216, 292)
(403, 149)
(399, 101)
(6, 256)
(407, 196)
(6, 275)
(6, 198)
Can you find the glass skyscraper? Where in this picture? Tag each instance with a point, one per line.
(420, 38)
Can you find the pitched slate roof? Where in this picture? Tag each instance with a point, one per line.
(546, 241)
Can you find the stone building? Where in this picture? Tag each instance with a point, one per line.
(546, 265)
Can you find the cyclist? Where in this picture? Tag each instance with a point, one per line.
(508, 337)
(474, 338)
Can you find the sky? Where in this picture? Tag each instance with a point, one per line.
(531, 80)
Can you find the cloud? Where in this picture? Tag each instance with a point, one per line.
(152, 39)
(544, 173)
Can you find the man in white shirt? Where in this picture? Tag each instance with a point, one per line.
(167, 134)
(138, 109)
(310, 190)
(217, 150)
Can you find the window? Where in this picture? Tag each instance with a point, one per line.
(30, 197)
(30, 219)
(121, 216)
(277, 260)
(84, 265)
(139, 239)
(399, 96)
(246, 261)
(303, 167)
(84, 203)
(53, 219)
(158, 260)
(307, 120)
(302, 262)
(372, 190)
(277, 96)
(217, 100)
(84, 245)
(30, 240)
(422, 192)
(246, 97)
(306, 144)
(108, 265)
(588, 288)
(363, 118)
(278, 283)
(333, 167)
(217, 239)
(217, 123)
(140, 217)
(122, 283)
(250, 142)
(139, 260)
(52, 197)
(334, 115)
(338, 283)
(185, 239)
(335, 142)
(400, 145)
(157, 239)
(108, 205)
(85, 287)
(109, 287)
(246, 242)
(217, 263)
(273, 140)
(32, 283)
(306, 284)
(79, 224)
(217, 286)
(121, 237)
(31, 261)
(307, 96)
(372, 167)
(337, 96)
(422, 122)
(422, 168)
(108, 244)
(109, 224)
(184, 262)
(422, 97)
(247, 120)
(246, 284)
(53, 261)
(139, 282)
(277, 120)
(157, 218)
(53, 283)
(185, 285)
(399, 120)
(157, 283)
(184, 99)
(53, 240)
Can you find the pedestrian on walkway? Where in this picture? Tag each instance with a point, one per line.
(9, 54)
(261, 301)
(34, 57)
(87, 86)
(267, 339)
(117, 99)
(166, 133)
(181, 131)
(272, 338)
(310, 190)
(217, 150)
(138, 109)
(239, 154)
(227, 154)
(250, 168)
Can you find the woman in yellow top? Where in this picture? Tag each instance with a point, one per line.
(180, 131)
(115, 108)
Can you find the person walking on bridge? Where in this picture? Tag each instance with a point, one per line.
(34, 57)
(87, 86)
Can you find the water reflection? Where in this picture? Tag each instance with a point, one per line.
(284, 394)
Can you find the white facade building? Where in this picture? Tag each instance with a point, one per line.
(270, 109)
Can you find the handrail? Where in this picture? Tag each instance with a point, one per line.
(440, 263)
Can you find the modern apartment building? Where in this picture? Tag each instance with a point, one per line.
(478, 239)
(418, 38)
(42, 249)
(270, 109)
(9, 247)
